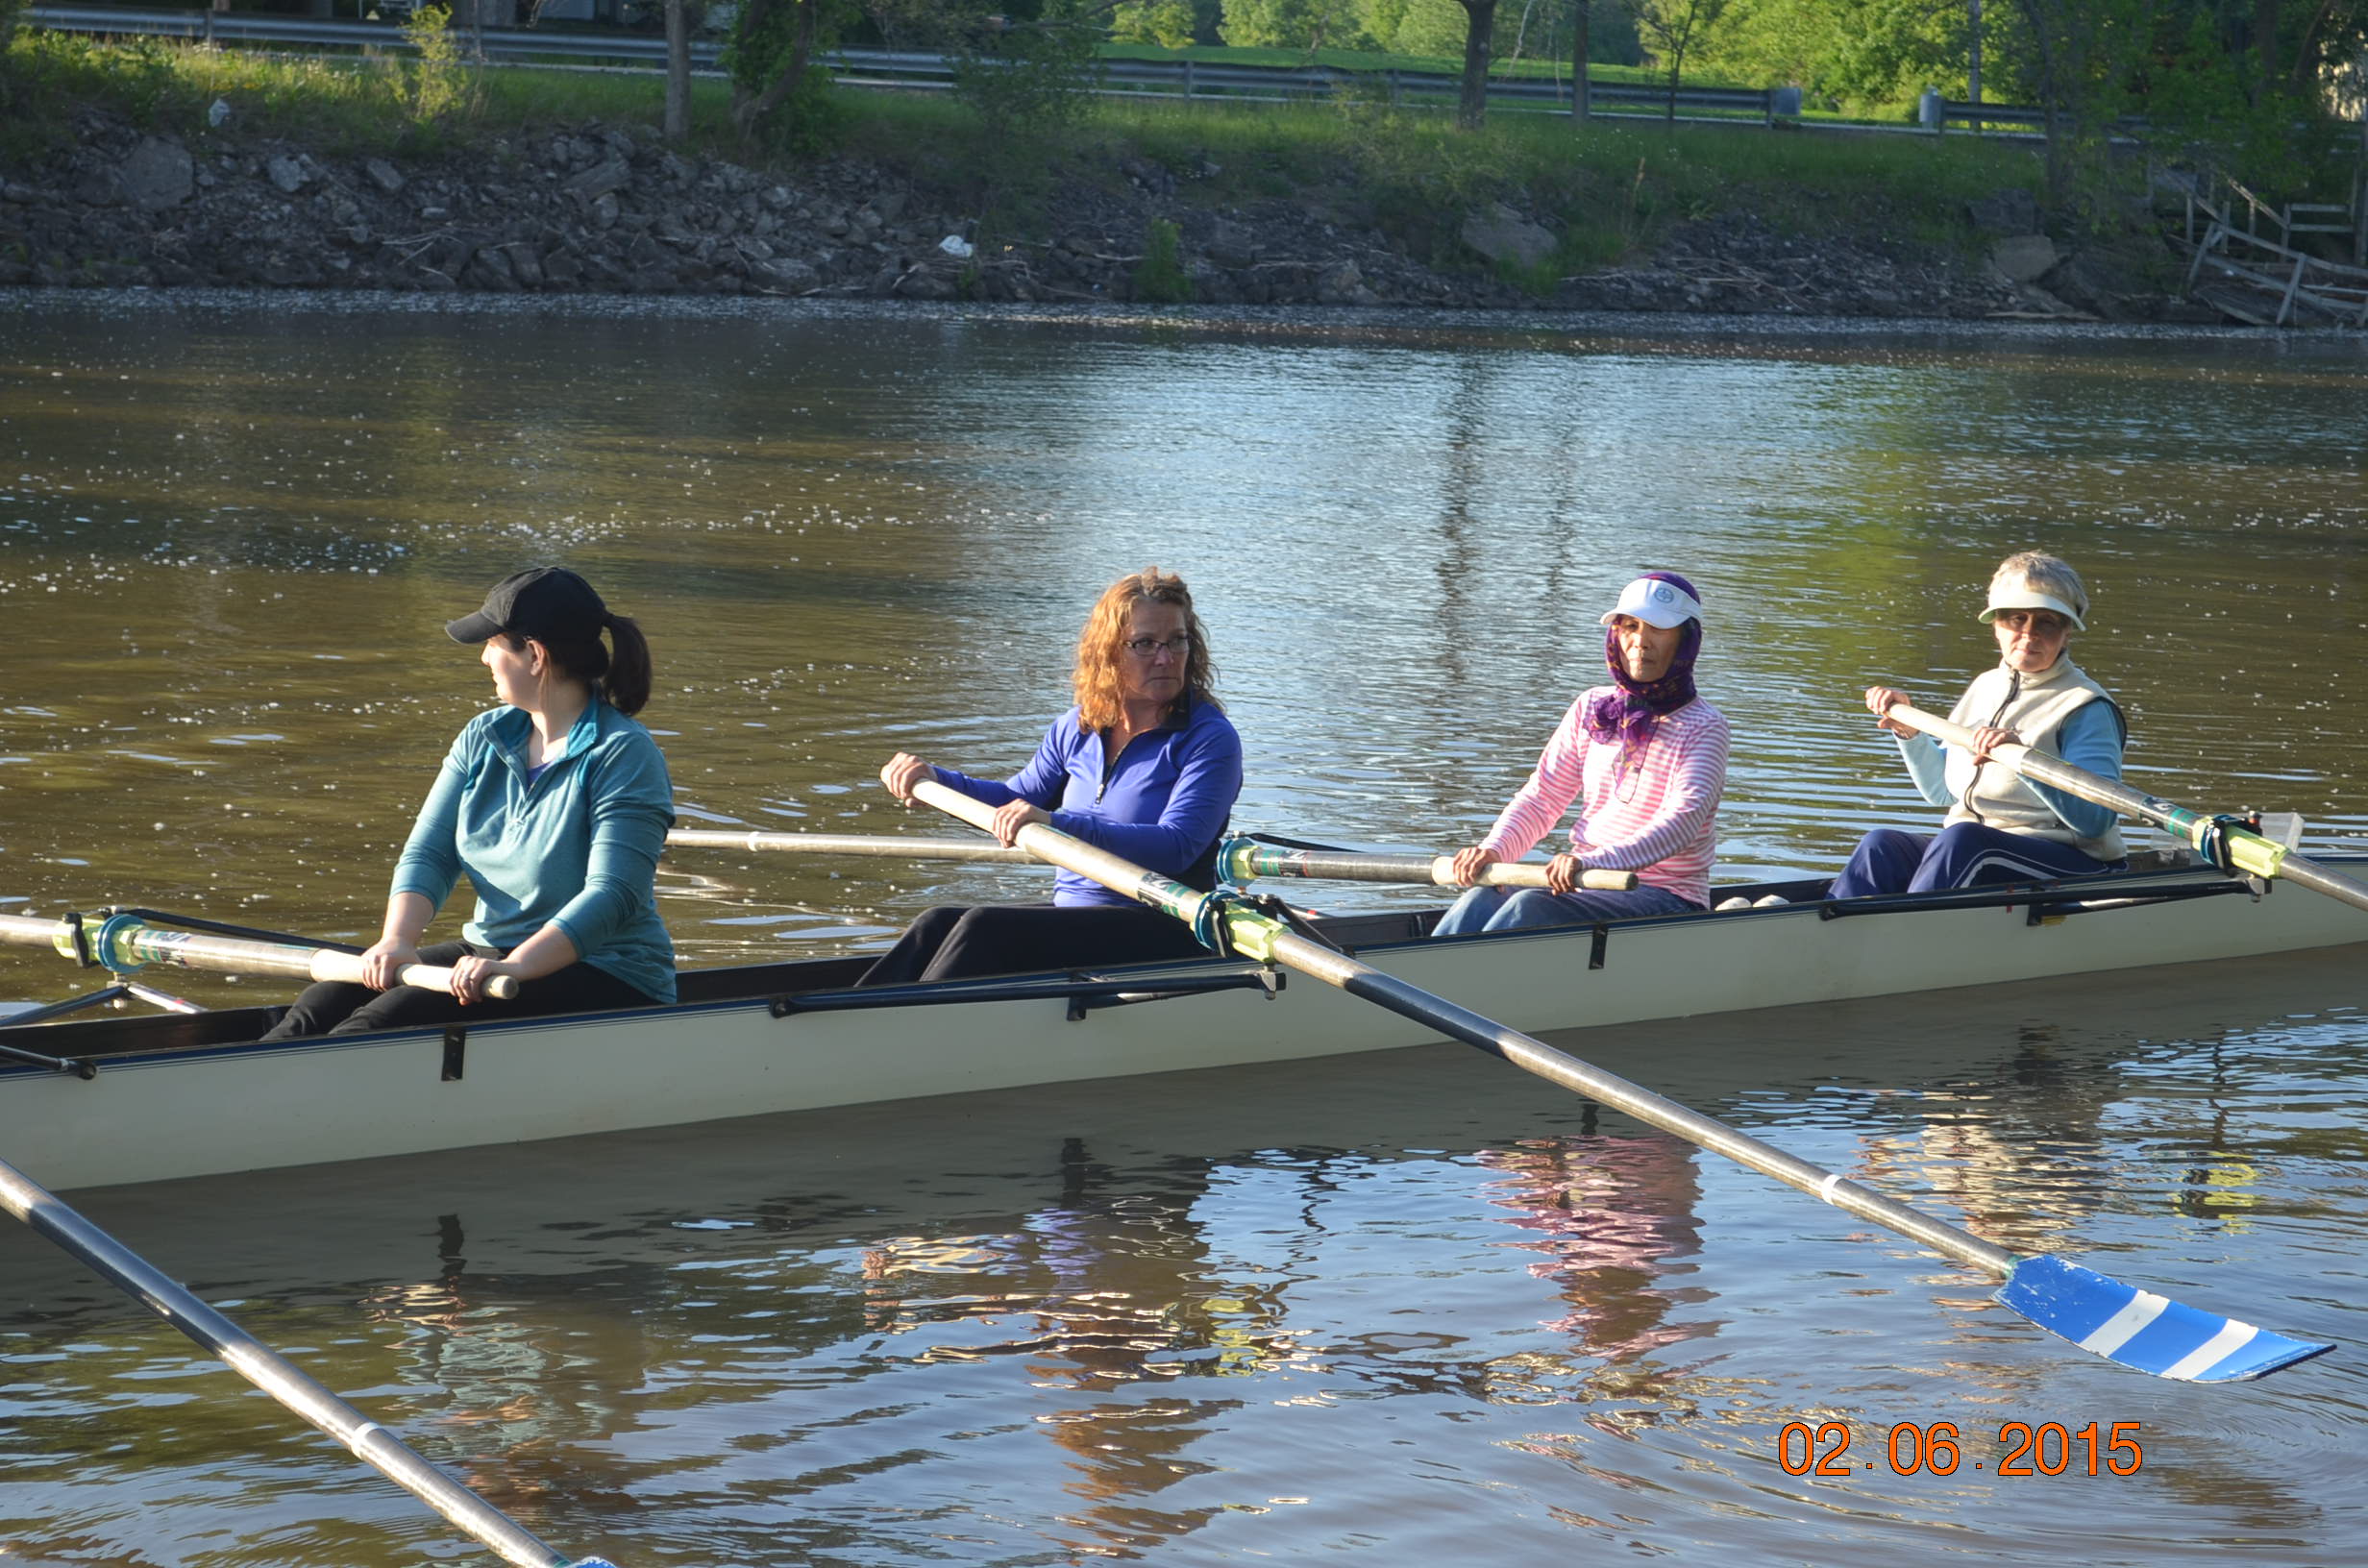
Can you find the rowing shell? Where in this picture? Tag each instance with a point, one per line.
(194, 1094)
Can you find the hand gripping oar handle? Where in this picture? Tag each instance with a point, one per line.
(1245, 859)
(124, 945)
(252, 1360)
(2096, 1313)
(328, 964)
(2246, 851)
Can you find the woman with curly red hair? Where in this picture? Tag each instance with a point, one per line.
(1146, 766)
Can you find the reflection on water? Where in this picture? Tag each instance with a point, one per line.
(1615, 1214)
(1416, 1305)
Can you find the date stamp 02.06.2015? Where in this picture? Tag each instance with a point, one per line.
(2046, 1448)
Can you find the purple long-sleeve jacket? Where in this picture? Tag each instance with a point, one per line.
(1163, 803)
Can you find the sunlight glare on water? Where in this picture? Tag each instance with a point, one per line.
(1412, 1305)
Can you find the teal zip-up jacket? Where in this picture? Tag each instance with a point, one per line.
(576, 848)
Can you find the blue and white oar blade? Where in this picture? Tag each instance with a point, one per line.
(2140, 1329)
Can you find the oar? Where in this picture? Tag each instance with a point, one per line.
(123, 943)
(2134, 1326)
(1245, 859)
(2246, 851)
(875, 845)
(252, 1360)
(1238, 859)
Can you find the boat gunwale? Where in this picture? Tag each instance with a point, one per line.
(56, 1038)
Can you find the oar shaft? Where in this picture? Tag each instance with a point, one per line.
(1362, 979)
(124, 945)
(879, 847)
(1535, 1056)
(1244, 860)
(1240, 861)
(259, 1364)
(2253, 853)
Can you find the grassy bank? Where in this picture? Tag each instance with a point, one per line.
(1615, 186)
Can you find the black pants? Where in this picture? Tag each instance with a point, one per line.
(340, 1007)
(955, 942)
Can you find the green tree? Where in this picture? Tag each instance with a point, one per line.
(1167, 23)
(1863, 53)
(2294, 45)
(438, 85)
(682, 19)
(774, 83)
(1471, 106)
(2247, 82)
(1381, 20)
(1027, 68)
(1671, 28)
(2085, 62)
(1432, 28)
(1294, 24)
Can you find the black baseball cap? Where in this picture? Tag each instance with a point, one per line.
(549, 603)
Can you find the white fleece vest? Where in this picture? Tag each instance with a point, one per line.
(2035, 707)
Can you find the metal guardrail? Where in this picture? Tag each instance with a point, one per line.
(2026, 115)
(254, 27)
(1189, 79)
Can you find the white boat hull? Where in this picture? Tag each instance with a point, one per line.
(166, 1114)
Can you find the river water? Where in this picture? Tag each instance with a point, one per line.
(1417, 1307)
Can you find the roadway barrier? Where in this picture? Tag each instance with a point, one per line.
(1188, 78)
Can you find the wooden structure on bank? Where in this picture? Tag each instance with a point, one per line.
(2240, 270)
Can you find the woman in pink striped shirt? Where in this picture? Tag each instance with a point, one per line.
(1646, 758)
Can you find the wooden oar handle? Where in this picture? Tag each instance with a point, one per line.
(329, 965)
(1507, 874)
(954, 804)
(1942, 729)
(883, 846)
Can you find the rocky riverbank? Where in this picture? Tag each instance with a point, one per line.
(610, 209)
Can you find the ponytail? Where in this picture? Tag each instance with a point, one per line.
(626, 685)
(622, 678)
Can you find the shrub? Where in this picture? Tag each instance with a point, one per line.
(438, 86)
(1160, 277)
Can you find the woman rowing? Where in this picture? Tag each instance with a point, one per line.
(1147, 765)
(557, 804)
(1646, 760)
(2002, 827)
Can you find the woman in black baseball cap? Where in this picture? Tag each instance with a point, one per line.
(556, 803)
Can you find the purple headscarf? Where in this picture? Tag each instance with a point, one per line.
(1628, 715)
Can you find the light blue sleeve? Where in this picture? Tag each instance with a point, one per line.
(430, 860)
(1927, 762)
(633, 806)
(2090, 739)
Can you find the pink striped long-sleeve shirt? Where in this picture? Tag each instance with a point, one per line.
(1658, 819)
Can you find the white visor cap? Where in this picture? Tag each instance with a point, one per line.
(1656, 603)
(2025, 596)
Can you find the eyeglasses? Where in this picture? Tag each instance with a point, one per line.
(1144, 647)
(2046, 622)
